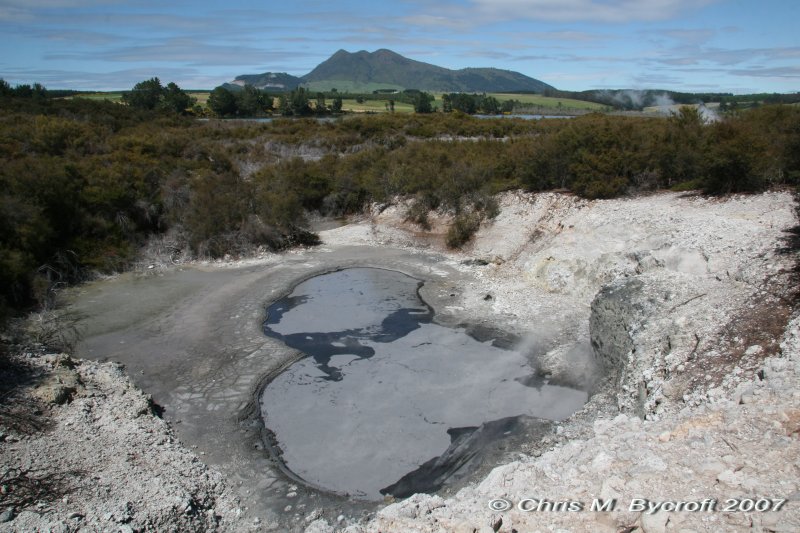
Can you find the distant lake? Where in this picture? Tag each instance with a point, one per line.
(524, 117)
(267, 120)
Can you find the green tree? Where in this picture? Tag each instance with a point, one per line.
(336, 105)
(295, 103)
(508, 106)
(145, 94)
(175, 99)
(466, 103)
(447, 104)
(252, 102)
(23, 91)
(489, 105)
(423, 103)
(321, 108)
(732, 158)
(681, 151)
(39, 91)
(222, 102)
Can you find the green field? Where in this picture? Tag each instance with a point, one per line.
(201, 96)
(112, 96)
(374, 106)
(549, 102)
(116, 96)
(545, 103)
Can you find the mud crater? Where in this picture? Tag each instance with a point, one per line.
(388, 402)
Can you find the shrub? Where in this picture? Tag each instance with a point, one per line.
(464, 226)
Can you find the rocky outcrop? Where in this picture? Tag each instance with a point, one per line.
(636, 324)
(614, 312)
(667, 336)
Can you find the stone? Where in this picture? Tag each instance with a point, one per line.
(754, 350)
(730, 478)
(7, 516)
(712, 467)
(602, 426)
(319, 526)
(611, 316)
(58, 387)
(655, 523)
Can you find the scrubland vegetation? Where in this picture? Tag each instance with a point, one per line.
(84, 184)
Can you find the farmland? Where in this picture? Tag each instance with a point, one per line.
(549, 102)
(116, 96)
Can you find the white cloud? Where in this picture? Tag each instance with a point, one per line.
(13, 14)
(609, 11)
(437, 21)
(689, 37)
(107, 81)
(475, 13)
(727, 57)
(45, 4)
(774, 72)
(185, 51)
(654, 80)
(565, 36)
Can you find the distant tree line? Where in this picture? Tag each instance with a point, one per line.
(84, 185)
(471, 103)
(150, 95)
(36, 90)
(636, 100)
(422, 102)
(247, 102)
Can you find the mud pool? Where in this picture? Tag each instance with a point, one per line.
(387, 401)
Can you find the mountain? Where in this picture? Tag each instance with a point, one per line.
(383, 69)
(269, 81)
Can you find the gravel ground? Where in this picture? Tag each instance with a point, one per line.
(92, 455)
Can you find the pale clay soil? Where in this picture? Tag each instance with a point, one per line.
(694, 336)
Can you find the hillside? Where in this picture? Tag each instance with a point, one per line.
(383, 69)
(270, 81)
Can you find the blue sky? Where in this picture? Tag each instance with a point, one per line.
(735, 46)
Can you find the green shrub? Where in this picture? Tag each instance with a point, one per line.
(464, 226)
(84, 184)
